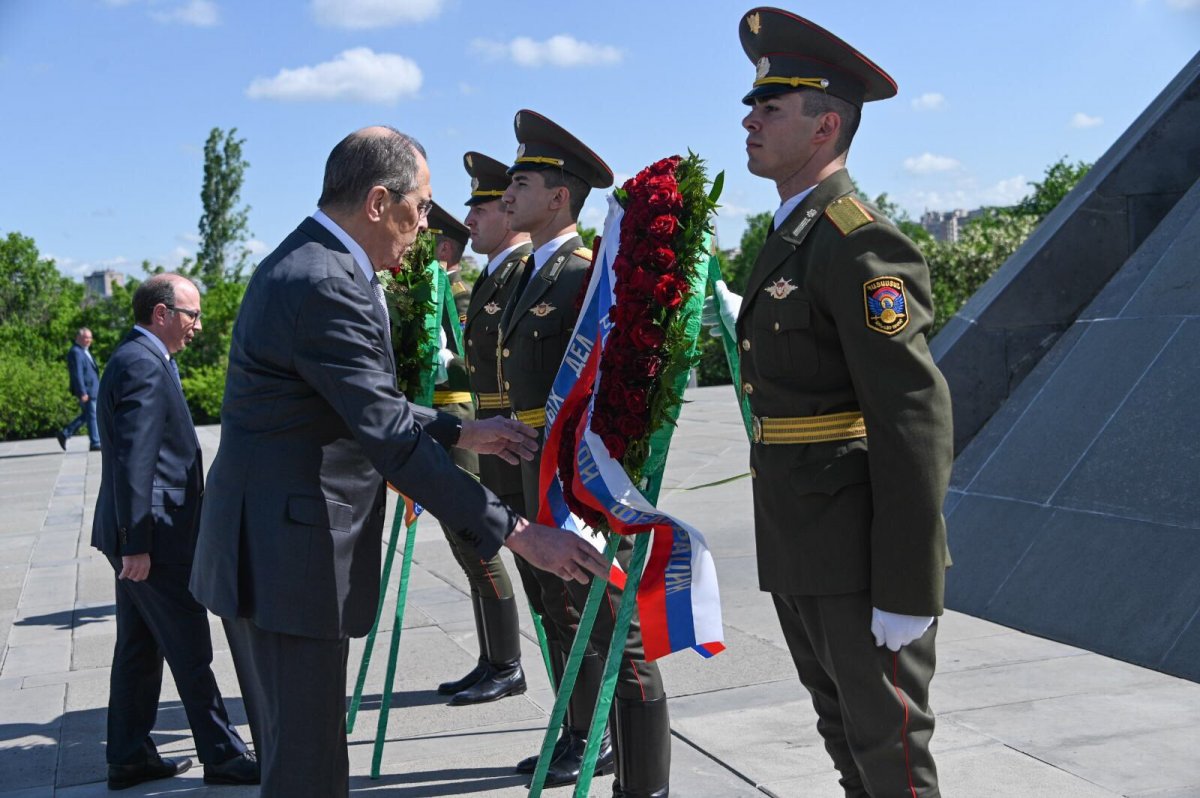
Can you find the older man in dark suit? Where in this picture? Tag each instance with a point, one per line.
(312, 424)
(145, 523)
(85, 382)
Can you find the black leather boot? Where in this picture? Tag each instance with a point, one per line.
(558, 665)
(481, 667)
(565, 769)
(643, 730)
(502, 644)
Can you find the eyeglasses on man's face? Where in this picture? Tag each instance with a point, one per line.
(423, 207)
(194, 315)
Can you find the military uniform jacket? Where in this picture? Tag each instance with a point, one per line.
(492, 292)
(834, 320)
(457, 379)
(536, 327)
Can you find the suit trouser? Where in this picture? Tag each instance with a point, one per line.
(872, 703)
(159, 618)
(87, 415)
(295, 689)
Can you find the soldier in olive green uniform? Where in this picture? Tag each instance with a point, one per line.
(498, 672)
(551, 178)
(852, 439)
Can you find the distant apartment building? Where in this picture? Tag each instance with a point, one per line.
(946, 225)
(100, 283)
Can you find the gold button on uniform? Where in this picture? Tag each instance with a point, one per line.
(472, 369)
(747, 388)
(753, 473)
(745, 344)
(775, 326)
(506, 352)
(535, 333)
(506, 385)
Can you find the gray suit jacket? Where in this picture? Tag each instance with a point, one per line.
(311, 425)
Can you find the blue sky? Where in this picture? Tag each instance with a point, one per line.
(108, 102)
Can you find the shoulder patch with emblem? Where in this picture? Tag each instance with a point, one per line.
(848, 214)
(584, 253)
(542, 309)
(886, 305)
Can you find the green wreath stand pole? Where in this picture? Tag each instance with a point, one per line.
(394, 650)
(544, 645)
(612, 664)
(578, 647)
(356, 699)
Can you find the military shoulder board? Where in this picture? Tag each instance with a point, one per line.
(583, 252)
(458, 288)
(848, 214)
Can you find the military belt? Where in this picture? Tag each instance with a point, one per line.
(808, 429)
(441, 397)
(534, 418)
(492, 401)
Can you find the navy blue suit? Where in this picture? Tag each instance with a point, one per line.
(85, 381)
(149, 503)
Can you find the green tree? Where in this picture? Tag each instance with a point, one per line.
(588, 234)
(39, 307)
(753, 238)
(224, 226)
(1059, 179)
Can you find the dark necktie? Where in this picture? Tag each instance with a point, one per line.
(175, 372)
(524, 281)
(377, 287)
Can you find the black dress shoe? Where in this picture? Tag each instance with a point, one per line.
(123, 776)
(242, 769)
(478, 672)
(61, 437)
(494, 685)
(565, 769)
(93, 448)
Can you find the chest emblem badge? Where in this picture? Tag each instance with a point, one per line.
(542, 310)
(886, 305)
(781, 288)
(491, 308)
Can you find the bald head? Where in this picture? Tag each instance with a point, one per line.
(158, 290)
(374, 156)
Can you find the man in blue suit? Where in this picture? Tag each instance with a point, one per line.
(145, 523)
(85, 381)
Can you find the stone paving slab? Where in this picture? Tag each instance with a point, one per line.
(1018, 715)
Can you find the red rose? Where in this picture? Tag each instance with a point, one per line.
(663, 182)
(668, 292)
(621, 265)
(395, 270)
(665, 201)
(631, 427)
(649, 365)
(615, 445)
(599, 421)
(647, 335)
(661, 259)
(635, 400)
(664, 226)
(642, 281)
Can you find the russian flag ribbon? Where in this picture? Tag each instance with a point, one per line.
(678, 599)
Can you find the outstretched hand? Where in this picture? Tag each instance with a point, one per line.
(722, 305)
(557, 551)
(507, 438)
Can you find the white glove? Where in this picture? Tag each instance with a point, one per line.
(895, 630)
(444, 356)
(724, 302)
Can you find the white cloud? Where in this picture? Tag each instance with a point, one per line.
(928, 163)
(929, 101)
(82, 268)
(362, 14)
(198, 13)
(256, 247)
(560, 51)
(1008, 191)
(359, 74)
(1081, 120)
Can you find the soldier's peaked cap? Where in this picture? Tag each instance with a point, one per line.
(489, 178)
(443, 224)
(791, 53)
(545, 145)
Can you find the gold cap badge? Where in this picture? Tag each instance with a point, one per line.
(754, 23)
(470, 164)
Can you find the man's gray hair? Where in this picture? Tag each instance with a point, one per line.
(364, 160)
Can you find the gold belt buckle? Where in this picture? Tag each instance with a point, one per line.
(756, 428)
